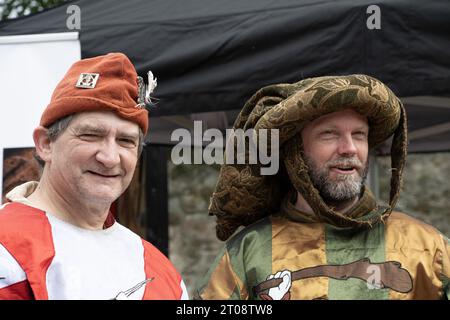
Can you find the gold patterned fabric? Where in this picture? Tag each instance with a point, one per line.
(401, 259)
(243, 196)
(423, 252)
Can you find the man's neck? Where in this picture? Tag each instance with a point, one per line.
(342, 206)
(73, 211)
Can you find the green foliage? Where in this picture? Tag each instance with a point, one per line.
(19, 8)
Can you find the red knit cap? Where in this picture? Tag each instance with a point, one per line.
(106, 82)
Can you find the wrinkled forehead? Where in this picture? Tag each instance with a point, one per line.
(347, 118)
(103, 120)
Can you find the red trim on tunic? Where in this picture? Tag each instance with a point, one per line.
(26, 233)
(17, 291)
(166, 282)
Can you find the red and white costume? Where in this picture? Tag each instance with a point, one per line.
(43, 257)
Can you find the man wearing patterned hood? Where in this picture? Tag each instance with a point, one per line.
(314, 230)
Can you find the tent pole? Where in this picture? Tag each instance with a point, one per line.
(156, 202)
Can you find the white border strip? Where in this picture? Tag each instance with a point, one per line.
(43, 37)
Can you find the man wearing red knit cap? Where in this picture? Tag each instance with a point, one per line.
(58, 239)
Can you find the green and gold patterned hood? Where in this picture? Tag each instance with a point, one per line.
(243, 195)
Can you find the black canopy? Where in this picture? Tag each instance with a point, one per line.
(212, 55)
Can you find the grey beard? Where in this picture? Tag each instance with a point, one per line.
(344, 188)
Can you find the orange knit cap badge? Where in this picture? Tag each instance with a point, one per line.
(108, 82)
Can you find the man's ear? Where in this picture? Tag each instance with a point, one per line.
(42, 143)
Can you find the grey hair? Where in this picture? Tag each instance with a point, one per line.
(59, 126)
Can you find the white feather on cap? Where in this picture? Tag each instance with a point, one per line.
(150, 86)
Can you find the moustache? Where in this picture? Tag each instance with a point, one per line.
(345, 163)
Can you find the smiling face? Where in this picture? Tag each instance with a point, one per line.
(336, 151)
(93, 160)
